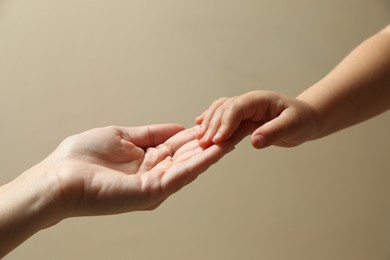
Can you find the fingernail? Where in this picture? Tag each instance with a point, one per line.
(217, 137)
(259, 141)
(198, 132)
(206, 138)
(202, 129)
(203, 143)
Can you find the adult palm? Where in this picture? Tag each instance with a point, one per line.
(117, 169)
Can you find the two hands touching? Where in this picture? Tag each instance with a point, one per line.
(102, 171)
(114, 169)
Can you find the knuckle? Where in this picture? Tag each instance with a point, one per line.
(232, 105)
(219, 102)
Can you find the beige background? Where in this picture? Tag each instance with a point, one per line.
(67, 66)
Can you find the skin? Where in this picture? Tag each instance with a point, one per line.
(103, 171)
(114, 170)
(354, 91)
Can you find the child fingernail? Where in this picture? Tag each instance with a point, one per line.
(217, 137)
(199, 131)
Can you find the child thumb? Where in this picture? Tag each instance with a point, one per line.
(270, 133)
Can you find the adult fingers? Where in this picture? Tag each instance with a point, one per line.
(150, 135)
(183, 172)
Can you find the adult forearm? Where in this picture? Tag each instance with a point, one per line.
(357, 89)
(24, 208)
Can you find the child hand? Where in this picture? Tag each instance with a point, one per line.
(284, 121)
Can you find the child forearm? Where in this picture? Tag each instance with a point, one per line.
(357, 89)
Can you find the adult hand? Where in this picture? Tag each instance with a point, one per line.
(116, 169)
(103, 171)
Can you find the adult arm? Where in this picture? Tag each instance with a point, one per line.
(102, 171)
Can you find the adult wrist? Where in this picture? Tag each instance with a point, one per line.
(28, 206)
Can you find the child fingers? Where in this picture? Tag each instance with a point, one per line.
(199, 119)
(228, 124)
(212, 128)
(207, 115)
